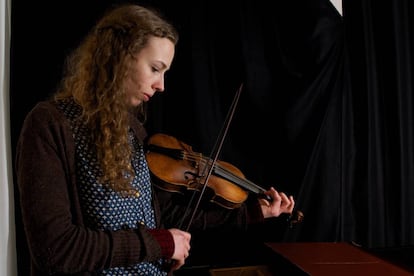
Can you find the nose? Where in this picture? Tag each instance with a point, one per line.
(159, 84)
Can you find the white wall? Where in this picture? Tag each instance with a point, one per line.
(7, 226)
(338, 5)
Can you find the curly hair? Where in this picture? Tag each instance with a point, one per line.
(94, 76)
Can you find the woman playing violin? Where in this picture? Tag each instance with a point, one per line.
(86, 196)
(87, 202)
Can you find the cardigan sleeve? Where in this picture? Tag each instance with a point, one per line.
(176, 213)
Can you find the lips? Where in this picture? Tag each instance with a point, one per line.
(146, 97)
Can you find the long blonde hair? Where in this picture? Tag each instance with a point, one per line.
(94, 76)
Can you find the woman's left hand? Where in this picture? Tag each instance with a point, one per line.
(281, 203)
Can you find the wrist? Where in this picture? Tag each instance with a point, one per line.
(165, 240)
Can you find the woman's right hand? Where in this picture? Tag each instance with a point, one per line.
(181, 247)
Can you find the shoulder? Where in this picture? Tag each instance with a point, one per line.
(45, 118)
(46, 114)
(45, 132)
(45, 110)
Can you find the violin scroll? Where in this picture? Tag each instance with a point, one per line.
(295, 218)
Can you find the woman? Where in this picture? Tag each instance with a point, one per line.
(86, 197)
(88, 204)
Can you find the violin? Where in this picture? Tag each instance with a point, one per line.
(177, 168)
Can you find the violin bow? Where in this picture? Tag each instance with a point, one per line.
(216, 150)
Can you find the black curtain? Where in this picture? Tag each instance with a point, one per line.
(380, 38)
(291, 129)
(325, 112)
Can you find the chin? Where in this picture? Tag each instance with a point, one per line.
(135, 103)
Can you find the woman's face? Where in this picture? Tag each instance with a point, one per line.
(146, 75)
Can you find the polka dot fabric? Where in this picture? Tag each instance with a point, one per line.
(105, 209)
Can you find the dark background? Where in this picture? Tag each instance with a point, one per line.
(326, 111)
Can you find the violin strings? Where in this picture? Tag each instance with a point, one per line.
(245, 183)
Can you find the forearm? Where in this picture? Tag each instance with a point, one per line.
(209, 215)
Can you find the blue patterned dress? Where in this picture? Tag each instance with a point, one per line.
(105, 209)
